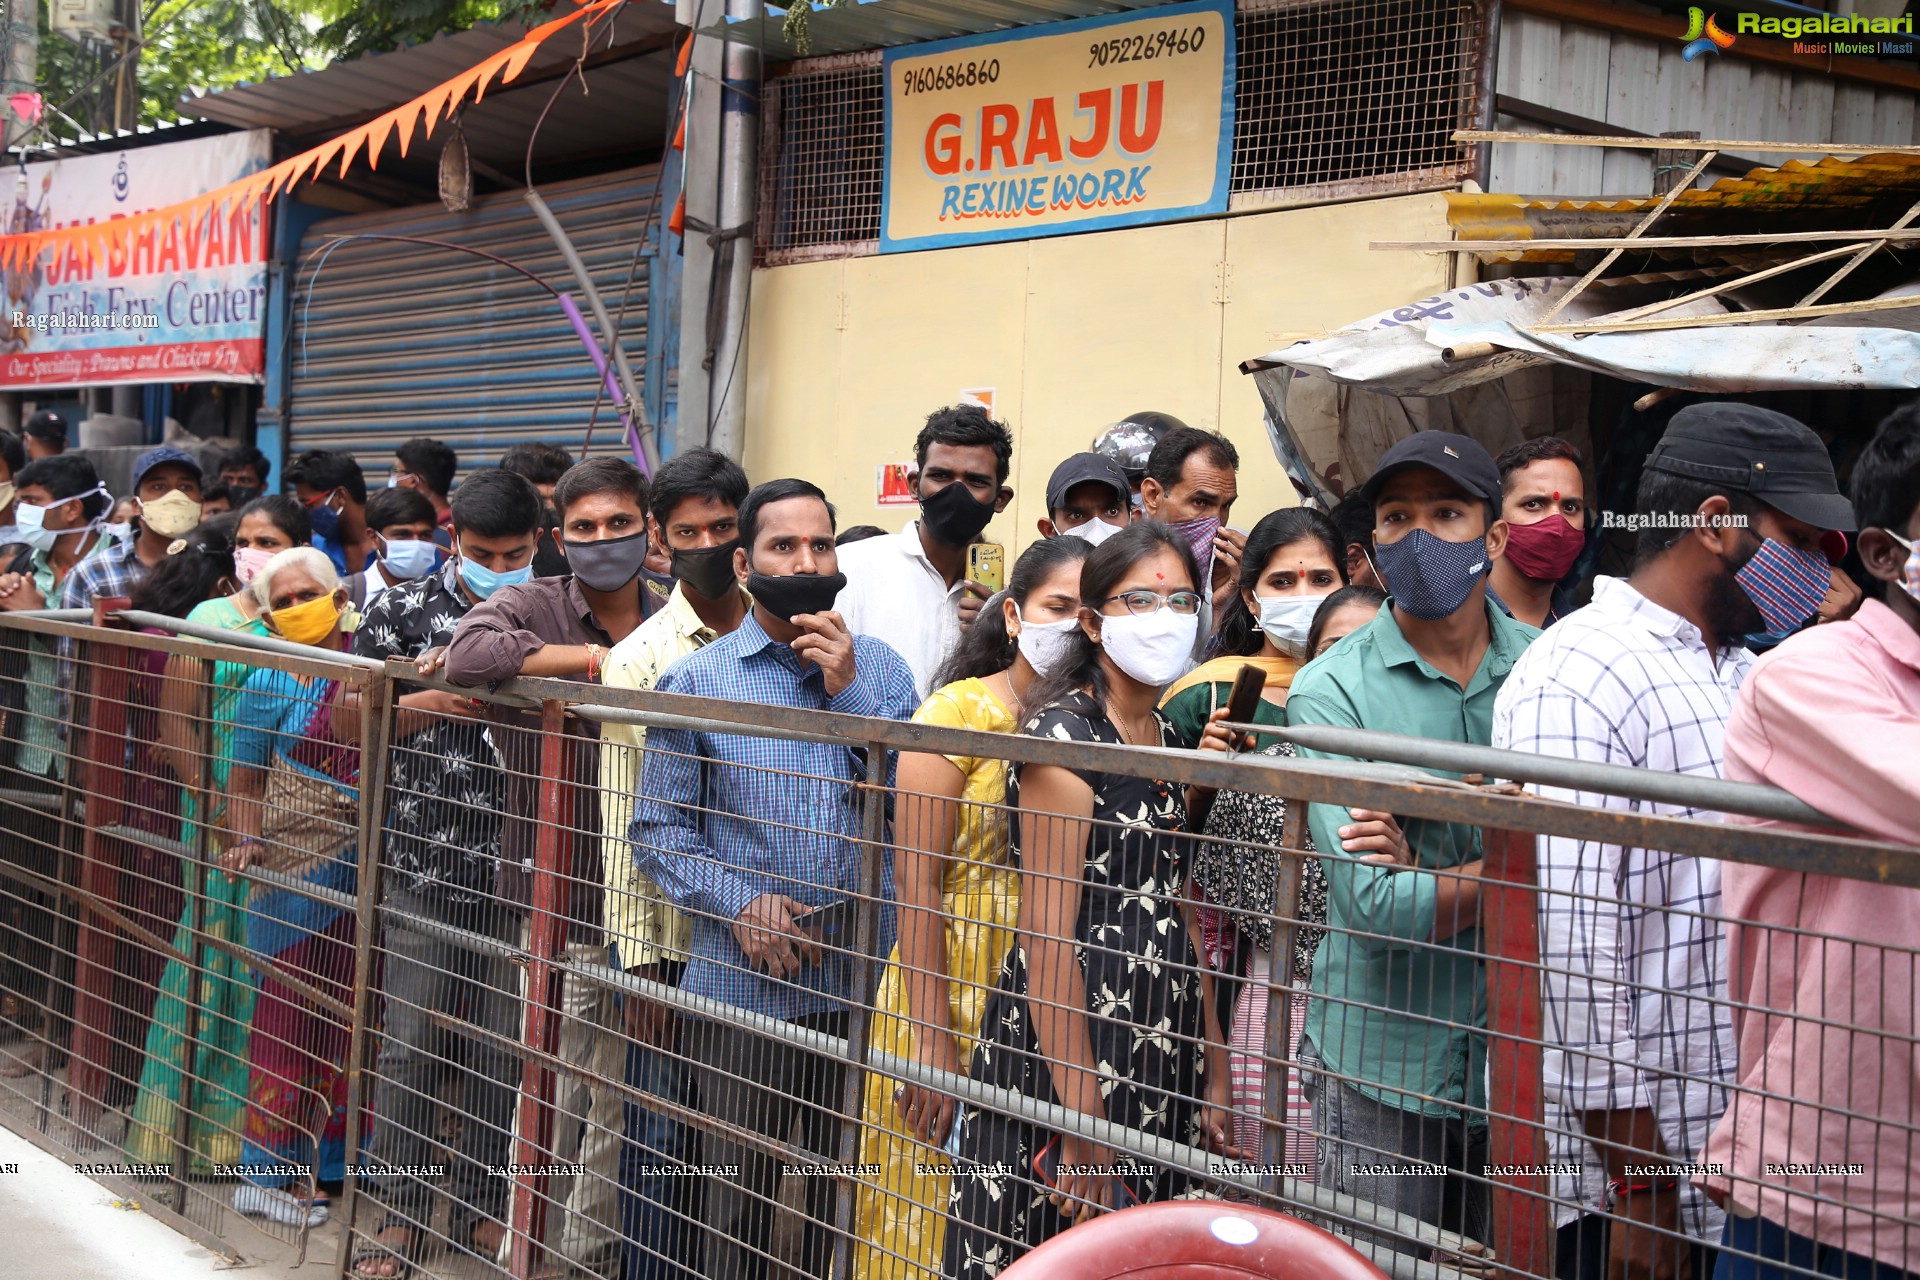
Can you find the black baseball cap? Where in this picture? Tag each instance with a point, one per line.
(1747, 449)
(1461, 459)
(1084, 467)
(47, 425)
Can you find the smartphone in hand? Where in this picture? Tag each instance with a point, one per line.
(987, 565)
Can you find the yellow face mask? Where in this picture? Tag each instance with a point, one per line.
(308, 623)
(170, 516)
(6, 495)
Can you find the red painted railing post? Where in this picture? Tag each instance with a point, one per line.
(540, 1025)
(1523, 1236)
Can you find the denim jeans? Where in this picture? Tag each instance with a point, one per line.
(1779, 1249)
(1366, 1146)
(659, 1183)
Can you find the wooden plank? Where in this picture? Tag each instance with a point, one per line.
(1672, 27)
(1653, 214)
(1534, 44)
(1651, 242)
(1705, 144)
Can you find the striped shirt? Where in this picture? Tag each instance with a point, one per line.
(724, 818)
(1634, 962)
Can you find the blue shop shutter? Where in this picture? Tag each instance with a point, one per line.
(392, 341)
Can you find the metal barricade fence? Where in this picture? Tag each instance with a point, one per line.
(520, 1055)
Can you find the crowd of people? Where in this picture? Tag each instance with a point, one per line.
(1095, 941)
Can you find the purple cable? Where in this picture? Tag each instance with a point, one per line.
(579, 323)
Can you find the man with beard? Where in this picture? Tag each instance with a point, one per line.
(1737, 510)
(752, 837)
(910, 590)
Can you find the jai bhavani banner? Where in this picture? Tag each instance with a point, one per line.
(180, 303)
(1104, 122)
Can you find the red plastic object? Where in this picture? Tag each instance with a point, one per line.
(1194, 1240)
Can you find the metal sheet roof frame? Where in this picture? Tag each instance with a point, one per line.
(882, 24)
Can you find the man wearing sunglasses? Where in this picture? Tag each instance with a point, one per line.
(1398, 985)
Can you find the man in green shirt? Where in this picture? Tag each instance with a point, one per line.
(1399, 990)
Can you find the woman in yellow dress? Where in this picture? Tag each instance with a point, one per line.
(959, 902)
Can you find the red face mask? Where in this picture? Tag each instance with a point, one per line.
(1545, 551)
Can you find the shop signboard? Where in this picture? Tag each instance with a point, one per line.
(183, 302)
(1074, 126)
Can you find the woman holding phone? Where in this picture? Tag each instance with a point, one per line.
(959, 899)
(1102, 1006)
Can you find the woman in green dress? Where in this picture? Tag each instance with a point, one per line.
(225, 993)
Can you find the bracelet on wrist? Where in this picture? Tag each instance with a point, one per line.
(1618, 1187)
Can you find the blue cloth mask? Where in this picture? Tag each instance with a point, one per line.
(1430, 577)
(483, 582)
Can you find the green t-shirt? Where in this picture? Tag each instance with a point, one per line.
(1392, 1011)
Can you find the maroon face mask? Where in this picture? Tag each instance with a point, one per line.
(1545, 551)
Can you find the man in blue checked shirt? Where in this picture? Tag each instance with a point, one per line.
(745, 834)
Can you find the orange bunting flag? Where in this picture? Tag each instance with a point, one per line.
(96, 241)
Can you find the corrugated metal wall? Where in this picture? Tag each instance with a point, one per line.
(1640, 84)
(392, 341)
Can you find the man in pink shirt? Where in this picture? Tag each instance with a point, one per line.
(1817, 1159)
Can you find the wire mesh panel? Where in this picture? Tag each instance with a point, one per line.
(643, 985)
(1333, 99)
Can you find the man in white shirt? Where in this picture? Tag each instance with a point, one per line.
(910, 589)
(1743, 502)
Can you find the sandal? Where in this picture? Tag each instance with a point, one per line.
(372, 1249)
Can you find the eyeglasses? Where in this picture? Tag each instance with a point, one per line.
(1143, 602)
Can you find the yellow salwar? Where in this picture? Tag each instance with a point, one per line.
(900, 1218)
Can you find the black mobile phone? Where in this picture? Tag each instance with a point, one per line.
(833, 922)
(1244, 700)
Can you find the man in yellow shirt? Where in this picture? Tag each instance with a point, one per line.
(694, 510)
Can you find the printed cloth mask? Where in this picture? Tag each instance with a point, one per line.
(609, 564)
(170, 516)
(1429, 576)
(791, 595)
(1199, 534)
(1153, 649)
(325, 520)
(707, 571)
(953, 517)
(308, 623)
(1093, 532)
(1544, 551)
(1047, 645)
(408, 558)
(1287, 619)
(1785, 584)
(248, 562)
(6, 495)
(1910, 580)
(483, 581)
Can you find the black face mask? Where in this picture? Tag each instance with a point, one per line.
(953, 517)
(795, 594)
(242, 494)
(707, 571)
(609, 564)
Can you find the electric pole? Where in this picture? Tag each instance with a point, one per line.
(22, 58)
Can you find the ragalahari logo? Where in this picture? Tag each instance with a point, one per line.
(1703, 34)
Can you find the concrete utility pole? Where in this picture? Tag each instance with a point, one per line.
(723, 122)
(22, 54)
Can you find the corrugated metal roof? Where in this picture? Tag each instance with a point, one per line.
(623, 109)
(1828, 195)
(882, 24)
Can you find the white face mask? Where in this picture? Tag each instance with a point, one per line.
(1287, 619)
(1153, 649)
(1093, 532)
(1045, 645)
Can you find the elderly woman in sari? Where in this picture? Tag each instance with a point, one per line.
(291, 813)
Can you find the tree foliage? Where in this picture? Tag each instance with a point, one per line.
(350, 27)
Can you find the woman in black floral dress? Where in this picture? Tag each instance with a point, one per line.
(1102, 1005)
